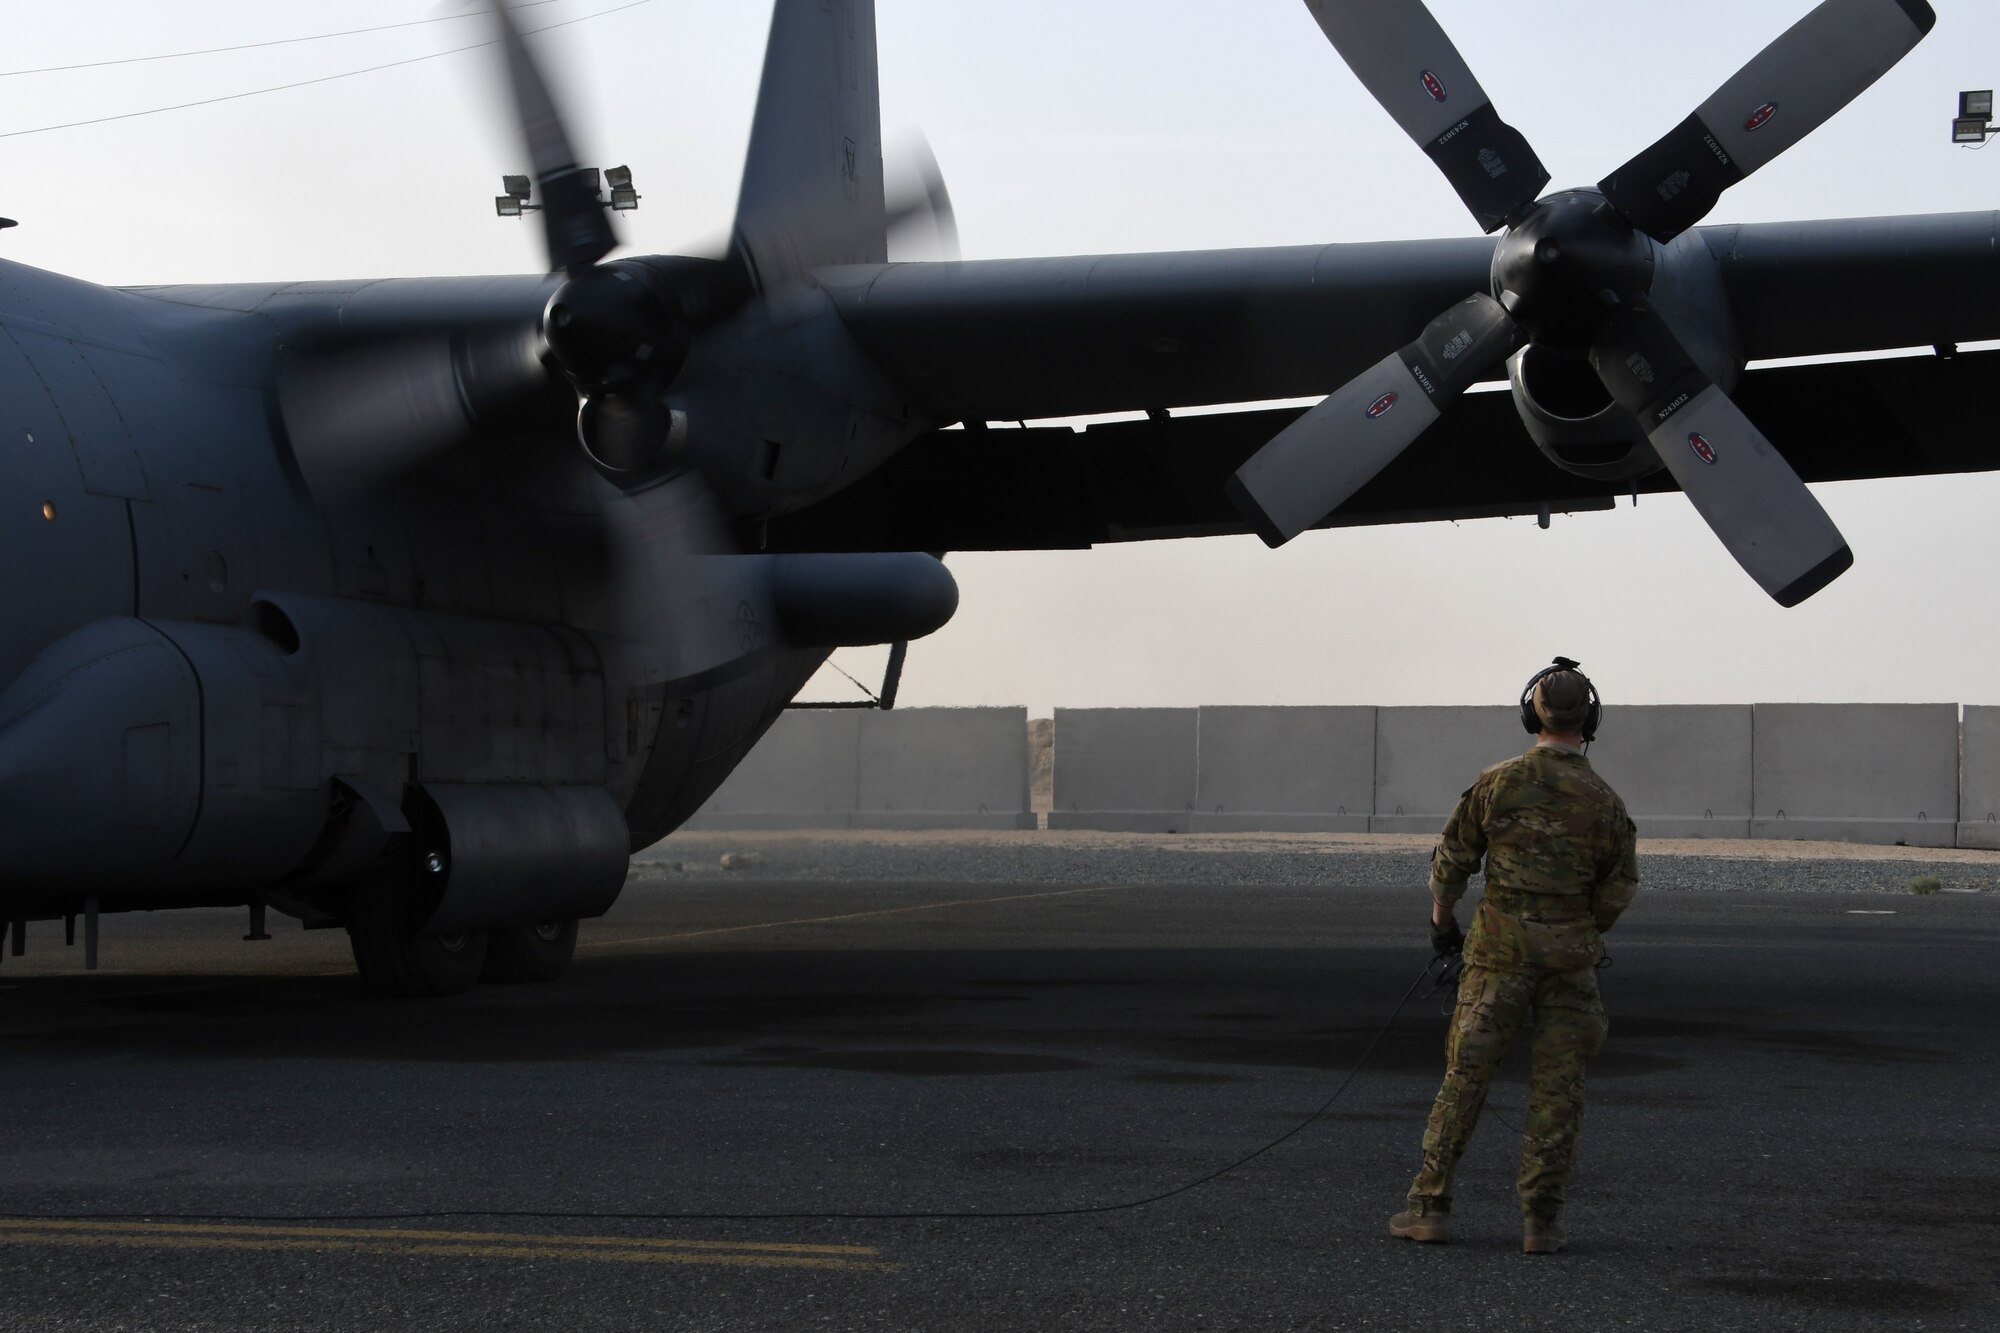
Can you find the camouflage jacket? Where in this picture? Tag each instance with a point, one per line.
(1560, 862)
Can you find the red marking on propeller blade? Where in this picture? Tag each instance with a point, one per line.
(1434, 86)
(1702, 449)
(1760, 116)
(1381, 405)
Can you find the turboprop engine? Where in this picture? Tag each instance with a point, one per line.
(1578, 275)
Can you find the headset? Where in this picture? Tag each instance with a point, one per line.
(1533, 720)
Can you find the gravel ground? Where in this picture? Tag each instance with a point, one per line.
(1328, 860)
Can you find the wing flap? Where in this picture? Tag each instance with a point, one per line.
(1053, 488)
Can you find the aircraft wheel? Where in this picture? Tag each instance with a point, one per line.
(395, 960)
(529, 953)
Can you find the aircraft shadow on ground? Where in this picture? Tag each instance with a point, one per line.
(1138, 1013)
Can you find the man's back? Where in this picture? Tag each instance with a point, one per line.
(1558, 850)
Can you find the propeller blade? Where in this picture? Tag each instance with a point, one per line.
(1788, 90)
(1741, 486)
(1406, 62)
(921, 222)
(674, 573)
(362, 418)
(1310, 468)
(575, 227)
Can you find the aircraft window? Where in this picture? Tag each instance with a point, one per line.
(49, 510)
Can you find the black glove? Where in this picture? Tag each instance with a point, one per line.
(1447, 939)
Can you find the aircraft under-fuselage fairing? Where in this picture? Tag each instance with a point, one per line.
(416, 606)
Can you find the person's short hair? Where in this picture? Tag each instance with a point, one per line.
(1562, 701)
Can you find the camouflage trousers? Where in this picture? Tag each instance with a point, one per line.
(1569, 1028)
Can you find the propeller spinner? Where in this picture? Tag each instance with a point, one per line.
(1573, 272)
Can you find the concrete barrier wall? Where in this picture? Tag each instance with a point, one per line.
(1882, 773)
(1979, 778)
(1284, 770)
(917, 768)
(1849, 772)
(1885, 773)
(1683, 769)
(1125, 769)
(1426, 757)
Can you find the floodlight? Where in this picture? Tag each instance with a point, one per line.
(1969, 129)
(589, 175)
(620, 178)
(507, 206)
(1978, 104)
(624, 199)
(518, 186)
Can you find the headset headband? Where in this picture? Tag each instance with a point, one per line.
(1532, 720)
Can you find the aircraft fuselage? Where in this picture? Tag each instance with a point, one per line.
(214, 688)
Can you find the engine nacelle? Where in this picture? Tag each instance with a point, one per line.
(1571, 418)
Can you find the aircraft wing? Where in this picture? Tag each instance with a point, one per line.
(1033, 339)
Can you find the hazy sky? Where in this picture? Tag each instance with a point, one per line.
(1087, 126)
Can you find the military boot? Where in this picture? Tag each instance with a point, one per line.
(1542, 1235)
(1426, 1226)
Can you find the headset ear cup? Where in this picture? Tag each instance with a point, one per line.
(1531, 721)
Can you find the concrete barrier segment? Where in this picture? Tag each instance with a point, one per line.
(1127, 770)
(1425, 758)
(802, 774)
(1979, 778)
(1284, 770)
(1682, 769)
(936, 768)
(1880, 773)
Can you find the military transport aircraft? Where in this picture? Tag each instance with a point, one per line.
(416, 606)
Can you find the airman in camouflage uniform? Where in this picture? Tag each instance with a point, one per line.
(1560, 868)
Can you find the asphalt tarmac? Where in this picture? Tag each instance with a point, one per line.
(1793, 1125)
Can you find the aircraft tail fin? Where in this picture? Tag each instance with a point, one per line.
(812, 182)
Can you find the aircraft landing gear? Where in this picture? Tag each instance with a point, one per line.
(529, 953)
(394, 959)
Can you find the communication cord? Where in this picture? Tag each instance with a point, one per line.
(1438, 971)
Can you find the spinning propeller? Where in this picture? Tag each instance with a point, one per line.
(1573, 273)
(615, 333)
